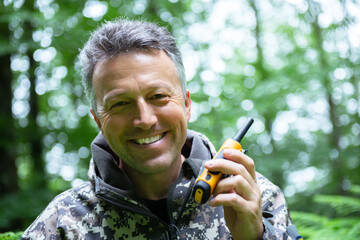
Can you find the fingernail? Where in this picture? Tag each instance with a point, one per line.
(209, 164)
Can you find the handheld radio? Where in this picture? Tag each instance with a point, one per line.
(207, 180)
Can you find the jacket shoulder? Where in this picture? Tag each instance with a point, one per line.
(267, 188)
(46, 225)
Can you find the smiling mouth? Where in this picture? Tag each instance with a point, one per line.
(144, 141)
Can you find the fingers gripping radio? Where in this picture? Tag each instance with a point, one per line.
(207, 180)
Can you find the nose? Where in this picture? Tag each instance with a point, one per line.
(145, 117)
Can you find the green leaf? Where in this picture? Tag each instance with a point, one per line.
(10, 236)
(344, 205)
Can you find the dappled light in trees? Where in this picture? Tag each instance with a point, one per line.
(291, 65)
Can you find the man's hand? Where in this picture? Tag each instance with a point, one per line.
(239, 194)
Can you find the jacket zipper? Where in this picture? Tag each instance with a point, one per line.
(172, 231)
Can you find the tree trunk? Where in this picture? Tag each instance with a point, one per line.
(334, 137)
(263, 74)
(33, 133)
(8, 171)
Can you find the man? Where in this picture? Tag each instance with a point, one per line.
(145, 160)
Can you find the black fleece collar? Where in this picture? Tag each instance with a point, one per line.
(196, 149)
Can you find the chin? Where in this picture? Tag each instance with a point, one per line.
(156, 166)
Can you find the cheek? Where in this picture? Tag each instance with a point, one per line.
(176, 116)
(178, 105)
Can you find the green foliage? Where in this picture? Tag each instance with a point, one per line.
(355, 189)
(312, 226)
(22, 206)
(10, 236)
(343, 205)
(276, 61)
(344, 225)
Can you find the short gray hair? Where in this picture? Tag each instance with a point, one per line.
(122, 36)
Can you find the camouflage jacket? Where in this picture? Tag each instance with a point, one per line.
(107, 208)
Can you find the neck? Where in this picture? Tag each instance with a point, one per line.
(154, 186)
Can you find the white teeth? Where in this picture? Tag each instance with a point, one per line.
(149, 140)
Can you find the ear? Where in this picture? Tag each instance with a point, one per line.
(188, 105)
(95, 118)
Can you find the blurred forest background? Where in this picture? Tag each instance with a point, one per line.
(291, 65)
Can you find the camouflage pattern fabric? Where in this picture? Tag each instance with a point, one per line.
(99, 210)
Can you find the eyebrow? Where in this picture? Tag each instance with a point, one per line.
(119, 92)
(113, 94)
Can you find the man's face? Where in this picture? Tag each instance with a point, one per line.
(141, 110)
